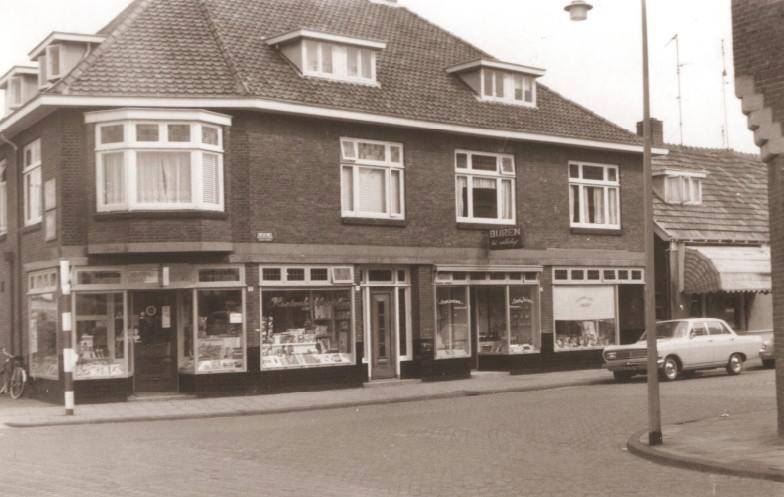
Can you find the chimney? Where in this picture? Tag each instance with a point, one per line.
(657, 131)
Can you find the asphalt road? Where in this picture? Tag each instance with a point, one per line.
(564, 442)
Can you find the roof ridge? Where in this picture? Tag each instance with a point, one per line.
(697, 148)
(591, 112)
(128, 16)
(242, 84)
(116, 19)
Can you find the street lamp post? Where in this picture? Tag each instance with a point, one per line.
(578, 11)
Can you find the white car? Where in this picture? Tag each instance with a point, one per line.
(685, 345)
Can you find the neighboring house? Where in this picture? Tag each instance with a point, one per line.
(712, 242)
(758, 42)
(260, 195)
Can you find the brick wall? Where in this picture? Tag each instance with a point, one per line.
(758, 42)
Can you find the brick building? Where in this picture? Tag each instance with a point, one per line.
(261, 196)
(758, 34)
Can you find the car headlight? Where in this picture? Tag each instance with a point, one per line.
(610, 356)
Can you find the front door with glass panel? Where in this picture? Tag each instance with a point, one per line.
(154, 348)
(382, 337)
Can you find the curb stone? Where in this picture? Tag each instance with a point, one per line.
(75, 421)
(645, 451)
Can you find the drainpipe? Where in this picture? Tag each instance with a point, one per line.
(15, 259)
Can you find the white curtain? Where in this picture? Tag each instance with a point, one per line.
(583, 303)
(506, 199)
(210, 179)
(594, 207)
(612, 213)
(372, 190)
(395, 187)
(163, 177)
(462, 196)
(33, 197)
(113, 178)
(347, 189)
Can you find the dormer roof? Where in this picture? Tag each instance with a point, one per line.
(16, 71)
(493, 64)
(318, 35)
(57, 36)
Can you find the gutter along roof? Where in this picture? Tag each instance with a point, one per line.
(214, 52)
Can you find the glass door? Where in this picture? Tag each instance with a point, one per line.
(384, 351)
(154, 349)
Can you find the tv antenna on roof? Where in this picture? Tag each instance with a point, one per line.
(678, 71)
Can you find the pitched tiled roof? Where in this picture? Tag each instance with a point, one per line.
(216, 48)
(734, 197)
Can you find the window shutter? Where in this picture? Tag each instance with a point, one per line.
(210, 181)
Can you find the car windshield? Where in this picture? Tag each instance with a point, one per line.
(669, 329)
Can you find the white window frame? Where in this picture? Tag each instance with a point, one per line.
(130, 147)
(3, 197)
(27, 173)
(690, 186)
(306, 281)
(388, 165)
(607, 276)
(499, 175)
(508, 85)
(605, 184)
(339, 62)
(43, 80)
(394, 285)
(616, 318)
(50, 75)
(14, 93)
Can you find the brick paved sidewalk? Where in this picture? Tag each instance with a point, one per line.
(739, 445)
(31, 413)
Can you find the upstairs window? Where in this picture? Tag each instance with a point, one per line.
(3, 198)
(331, 60)
(507, 87)
(371, 179)
(32, 186)
(485, 187)
(594, 196)
(53, 62)
(15, 92)
(159, 164)
(683, 190)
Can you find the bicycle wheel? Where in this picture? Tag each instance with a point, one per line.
(17, 384)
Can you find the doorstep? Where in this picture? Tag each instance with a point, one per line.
(159, 397)
(391, 382)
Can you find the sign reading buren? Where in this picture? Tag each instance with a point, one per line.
(506, 238)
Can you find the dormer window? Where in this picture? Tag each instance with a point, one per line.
(500, 82)
(53, 63)
(683, 190)
(20, 86)
(15, 91)
(329, 56)
(59, 53)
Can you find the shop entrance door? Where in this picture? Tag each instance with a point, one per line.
(154, 349)
(384, 352)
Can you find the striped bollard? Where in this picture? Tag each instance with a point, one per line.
(69, 358)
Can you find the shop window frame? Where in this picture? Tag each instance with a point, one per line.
(307, 281)
(620, 275)
(616, 318)
(395, 284)
(129, 369)
(49, 286)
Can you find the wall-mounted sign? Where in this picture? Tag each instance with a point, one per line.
(264, 236)
(506, 238)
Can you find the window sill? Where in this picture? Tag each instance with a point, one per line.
(483, 226)
(597, 231)
(33, 227)
(364, 221)
(184, 214)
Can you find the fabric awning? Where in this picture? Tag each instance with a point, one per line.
(726, 269)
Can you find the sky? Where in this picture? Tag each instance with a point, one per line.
(596, 63)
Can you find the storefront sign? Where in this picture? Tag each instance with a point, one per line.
(506, 238)
(235, 317)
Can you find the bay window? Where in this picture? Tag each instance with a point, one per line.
(371, 178)
(150, 160)
(594, 196)
(485, 187)
(32, 184)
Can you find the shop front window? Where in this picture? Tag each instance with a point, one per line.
(100, 339)
(507, 319)
(524, 334)
(303, 328)
(585, 317)
(43, 336)
(219, 342)
(452, 337)
(185, 340)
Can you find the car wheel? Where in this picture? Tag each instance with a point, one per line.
(670, 369)
(735, 364)
(622, 376)
(769, 363)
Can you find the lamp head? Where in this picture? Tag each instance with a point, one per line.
(578, 10)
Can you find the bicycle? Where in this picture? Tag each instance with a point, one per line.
(14, 375)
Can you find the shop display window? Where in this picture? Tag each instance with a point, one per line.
(43, 336)
(452, 337)
(524, 336)
(220, 331)
(506, 319)
(305, 328)
(186, 362)
(100, 338)
(490, 311)
(585, 317)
